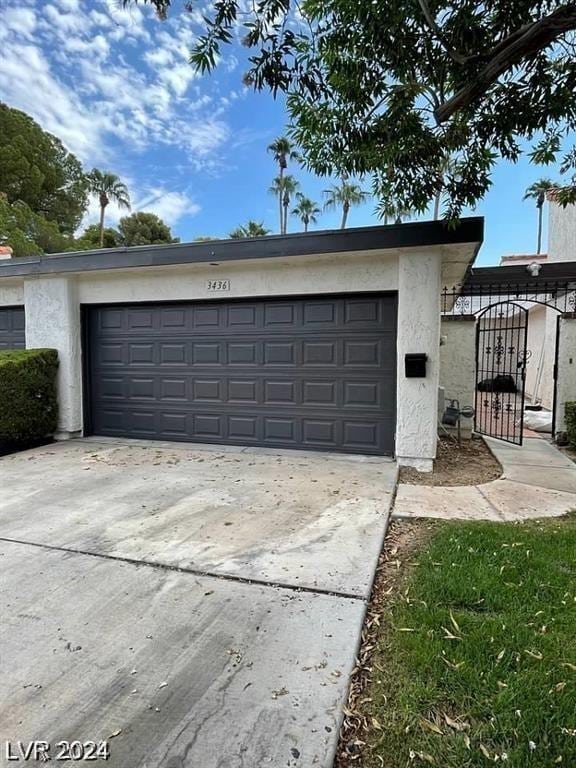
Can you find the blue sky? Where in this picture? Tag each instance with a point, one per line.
(116, 87)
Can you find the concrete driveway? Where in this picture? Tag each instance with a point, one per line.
(193, 606)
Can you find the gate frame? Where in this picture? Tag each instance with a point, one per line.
(525, 315)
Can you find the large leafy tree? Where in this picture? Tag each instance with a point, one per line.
(145, 229)
(306, 210)
(344, 195)
(251, 229)
(36, 169)
(92, 238)
(538, 191)
(28, 233)
(107, 188)
(283, 150)
(390, 88)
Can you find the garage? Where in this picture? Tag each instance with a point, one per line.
(317, 373)
(12, 328)
(326, 341)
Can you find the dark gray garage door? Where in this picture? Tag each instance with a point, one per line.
(318, 373)
(12, 328)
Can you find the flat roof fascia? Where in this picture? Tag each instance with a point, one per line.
(399, 236)
(517, 275)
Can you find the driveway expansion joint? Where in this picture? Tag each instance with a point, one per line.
(190, 571)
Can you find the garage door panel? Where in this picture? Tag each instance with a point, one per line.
(12, 328)
(317, 373)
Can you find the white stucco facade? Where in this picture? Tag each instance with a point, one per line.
(561, 233)
(53, 305)
(53, 320)
(458, 362)
(566, 384)
(419, 281)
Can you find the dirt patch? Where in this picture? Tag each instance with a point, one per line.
(568, 451)
(469, 463)
(403, 541)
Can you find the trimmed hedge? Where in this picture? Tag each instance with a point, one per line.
(28, 396)
(570, 414)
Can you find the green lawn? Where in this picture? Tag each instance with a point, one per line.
(476, 662)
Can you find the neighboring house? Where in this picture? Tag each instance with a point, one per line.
(296, 341)
(542, 320)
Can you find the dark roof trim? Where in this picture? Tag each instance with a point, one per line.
(517, 276)
(412, 235)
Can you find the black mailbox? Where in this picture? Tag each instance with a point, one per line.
(415, 365)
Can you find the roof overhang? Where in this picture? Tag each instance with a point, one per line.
(459, 244)
(517, 277)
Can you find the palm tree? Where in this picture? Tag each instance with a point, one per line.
(282, 150)
(345, 194)
(251, 229)
(306, 210)
(538, 191)
(107, 187)
(283, 187)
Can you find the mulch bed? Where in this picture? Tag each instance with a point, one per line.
(469, 463)
(403, 541)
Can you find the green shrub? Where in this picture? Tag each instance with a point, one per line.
(570, 414)
(28, 396)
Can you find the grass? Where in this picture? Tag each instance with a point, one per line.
(476, 660)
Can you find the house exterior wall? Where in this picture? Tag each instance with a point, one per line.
(53, 305)
(561, 233)
(12, 295)
(458, 362)
(566, 385)
(419, 281)
(336, 273)
(542, 345)
(53, 320)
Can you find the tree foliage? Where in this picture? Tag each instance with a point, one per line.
(36, 169)
(90, 238)
(145, 229)
(306, 210)
(391, 88)
(28, 233)
(344, 195)
(251, 229)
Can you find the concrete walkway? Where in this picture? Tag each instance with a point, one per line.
(537, 481)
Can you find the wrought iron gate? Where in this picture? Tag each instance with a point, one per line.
(501, 358)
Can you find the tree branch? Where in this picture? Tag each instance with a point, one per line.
(522, 44)
(431, 21)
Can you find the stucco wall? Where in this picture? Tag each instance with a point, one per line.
(12, 295)
(279, 277)
(53, 320)
(561, 233)
(566, 368)
(542, 345)
(418, 331)
(458, 362)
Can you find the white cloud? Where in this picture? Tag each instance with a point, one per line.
(170, 206)
(66, 22)
(27, 82)
(18, 21)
